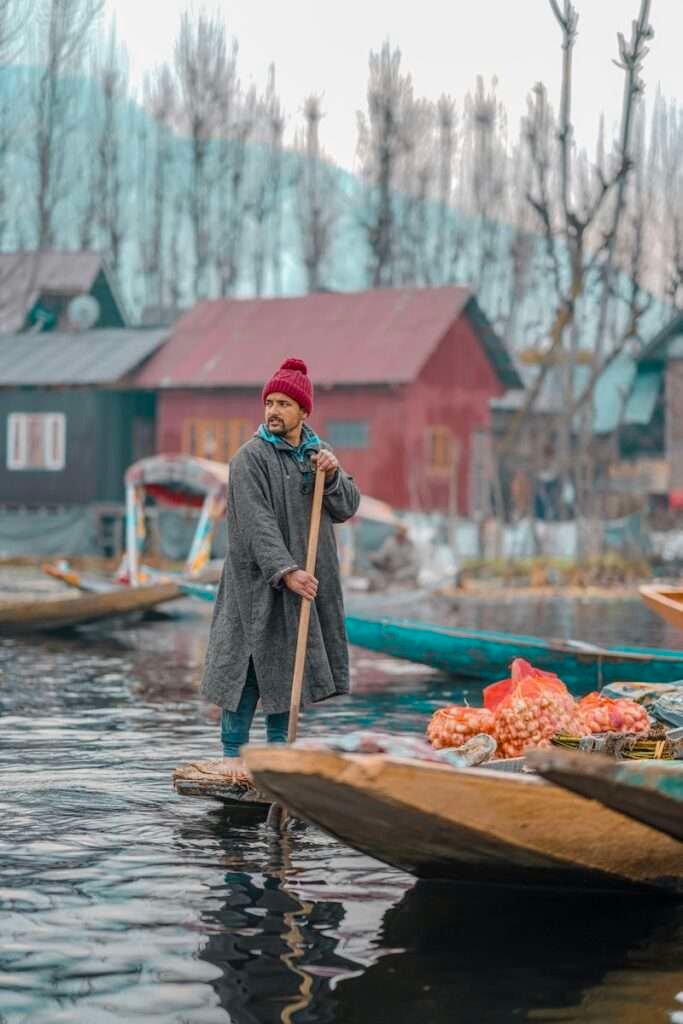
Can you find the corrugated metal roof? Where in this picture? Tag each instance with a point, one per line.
(90, 357)
(26, 275)
(379, 336)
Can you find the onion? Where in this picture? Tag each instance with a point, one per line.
(454, 725)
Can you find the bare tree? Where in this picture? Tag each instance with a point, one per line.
(106, 215)
(666, 170)
(203, 68)
(12, 25)
(565, 223)
(380, 144)
(159, 174)
(317, 200)
(265, 198)
(442, 259)
(415, 185)
(61, 34)
(239, 125)
(483, 186)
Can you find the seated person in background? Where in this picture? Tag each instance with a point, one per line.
(395, 564)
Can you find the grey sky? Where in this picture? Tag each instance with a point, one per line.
(323, 47)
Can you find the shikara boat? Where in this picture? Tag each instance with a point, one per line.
(474, 824)
(480, 654)
(471, 824)
(667, 602)
(180, 480)
(52, 613)
(647, 791)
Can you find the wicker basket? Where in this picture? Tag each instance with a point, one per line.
(634, 746)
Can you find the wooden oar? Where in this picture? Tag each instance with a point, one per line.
(277, 814)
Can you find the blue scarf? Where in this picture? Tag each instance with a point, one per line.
(310, 442)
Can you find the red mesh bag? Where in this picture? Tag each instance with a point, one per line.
(607, 714)
(534, 707)
(520, 669)
(454, 725)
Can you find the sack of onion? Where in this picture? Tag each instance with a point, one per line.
(519, 670)
(454, 725)
(607, 714)
(536, 707)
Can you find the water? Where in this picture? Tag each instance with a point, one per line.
(120, 901)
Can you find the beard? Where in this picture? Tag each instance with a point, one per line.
(276, 426)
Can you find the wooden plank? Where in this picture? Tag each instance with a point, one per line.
(199, 779)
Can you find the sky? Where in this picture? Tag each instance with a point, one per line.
(323, 47)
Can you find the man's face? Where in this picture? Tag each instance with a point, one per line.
(283, 415)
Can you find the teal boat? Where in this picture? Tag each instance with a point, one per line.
(486, 656)
(647, 791)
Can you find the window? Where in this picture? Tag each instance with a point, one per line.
(215, 439)
(348, 433)
(441, 446)
(36, 440)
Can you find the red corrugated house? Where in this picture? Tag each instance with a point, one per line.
(403, 379)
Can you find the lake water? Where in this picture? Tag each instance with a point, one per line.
(120, 901)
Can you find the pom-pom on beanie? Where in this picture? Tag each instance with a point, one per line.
(292, 379)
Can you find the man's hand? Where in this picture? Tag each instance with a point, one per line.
(302, 583)
(327, 461)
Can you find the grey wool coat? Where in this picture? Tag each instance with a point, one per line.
(255, 615)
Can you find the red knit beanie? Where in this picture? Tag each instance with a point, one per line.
(292, 379)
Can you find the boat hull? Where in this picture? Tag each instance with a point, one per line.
(474, 825)
(478, 654)
(667, 602)
(650, 791)
(55, 613)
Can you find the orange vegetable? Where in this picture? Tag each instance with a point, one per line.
(519, 670)
(533, 708)
(454, 725)
(607, 714)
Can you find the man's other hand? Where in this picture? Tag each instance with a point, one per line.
(327, 461)
(302, 583)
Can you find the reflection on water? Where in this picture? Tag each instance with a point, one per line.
(121, 902)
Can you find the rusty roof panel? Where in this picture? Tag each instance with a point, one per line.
(378, 336)
(87, 357)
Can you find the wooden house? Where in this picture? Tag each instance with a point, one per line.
(57, 290)
(403, 378)
(70, 422)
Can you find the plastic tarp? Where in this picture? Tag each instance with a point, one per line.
(70, 531)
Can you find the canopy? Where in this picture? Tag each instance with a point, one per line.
(179, 479)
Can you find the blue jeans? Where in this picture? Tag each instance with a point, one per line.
(235, 725)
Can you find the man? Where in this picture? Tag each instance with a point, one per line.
(396, 562)
(253, 633)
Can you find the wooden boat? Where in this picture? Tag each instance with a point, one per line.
(647, 791)
(194, 780)
(480, 654)
(667, 602)
(177, 480)
(52, 613)
(470, 824)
